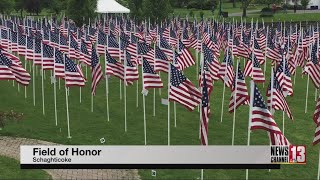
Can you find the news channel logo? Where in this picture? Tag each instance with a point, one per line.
(292, 154)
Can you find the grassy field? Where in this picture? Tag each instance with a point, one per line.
(10, 169)
(88, 127)
(208, 13)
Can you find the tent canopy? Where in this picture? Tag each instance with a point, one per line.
(110, 6)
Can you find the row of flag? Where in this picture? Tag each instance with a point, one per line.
(166, 47)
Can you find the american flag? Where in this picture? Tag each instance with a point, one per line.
(185, 58)
(74, 49)
(209, 81)
(54, 39)
(261, 118)
(37, 52)
(316, 114)
(14, 41)
(22, 44)
(161, 61)
(85, 56)
(113, 46)
(225, 72)
(316, 139)
(63, 43)
(131, 71)
(185, 37)
(253, 69)
(277, 98)
(235, 46)
(213, 44)
(271, 52)
(182, 90)
(284, 78)
(312, 67)
(150, 78)
(212, 62)
(205, 110)
(73, 73)
(102, 39)
(29, 48)
(114, 67)
(166, 48)
(261, 38)
(5, 72)
(96, 70)
(258, 52)
(11, 57)
(239, 94)
(58, 64)
(47, 58)
(4, 40)
(19, 73)
(244, 49)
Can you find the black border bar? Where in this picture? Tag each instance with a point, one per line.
(150, 166)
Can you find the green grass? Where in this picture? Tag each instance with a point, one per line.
(10, 169)
(88, 127)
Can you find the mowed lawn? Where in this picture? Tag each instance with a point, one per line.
(10, 169)
(88, 127)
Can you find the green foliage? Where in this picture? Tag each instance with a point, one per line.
(156, 10)
(203, 4)
(6, 6)
(32, 6)
(266, 12)
(135, 7)
(191, 14)
(201, 14)
(79, 9)
(153, 9)
(305, 3)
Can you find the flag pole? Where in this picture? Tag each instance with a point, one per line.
(34, 78)
(55, 90)
(144, 111)
(225, 76)
(120, 62)
(67, 107)
(265, 53)
(105, 68)
(250, 116)
(169, 74)
(125, 92)
(234, 105)
(67, 104)
(154, 90)
(42, 76)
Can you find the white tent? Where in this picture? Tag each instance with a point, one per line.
(110, 6)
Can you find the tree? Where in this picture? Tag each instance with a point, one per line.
(156, 9)
(19, 6)
(32, 6)
(58, 5)
(245, 4)
(78, 9)
(305, 3)
(295, 5)
(135, 7)
(6, 6)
